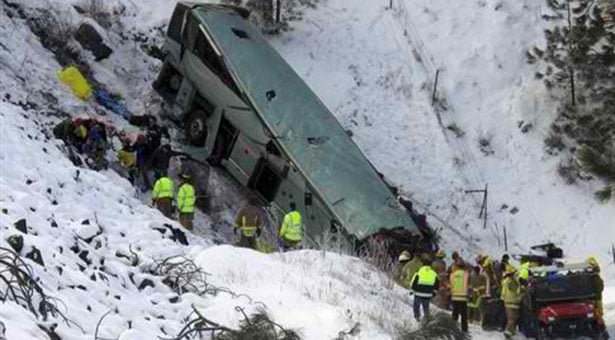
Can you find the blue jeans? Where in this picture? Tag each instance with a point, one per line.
(418, 302)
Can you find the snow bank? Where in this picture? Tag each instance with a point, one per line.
(317, 293)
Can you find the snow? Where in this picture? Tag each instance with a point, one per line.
(374, 68)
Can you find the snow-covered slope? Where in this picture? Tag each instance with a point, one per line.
(375, 68)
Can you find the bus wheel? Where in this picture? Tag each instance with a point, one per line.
(196, 128)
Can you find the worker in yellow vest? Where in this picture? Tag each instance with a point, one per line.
(424, 286)
(458, 282)
(249, 222)
(185, 202)
(439, 266)
(291, 232)
(162, 195)
(127, 158)
(478, 286)
(512, 294)
(598, 284)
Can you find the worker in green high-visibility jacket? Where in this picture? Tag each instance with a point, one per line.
(185, 202)
(291, 232)
(249, 222)
(162, 195)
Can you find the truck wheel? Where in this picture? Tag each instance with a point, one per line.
(196, 128)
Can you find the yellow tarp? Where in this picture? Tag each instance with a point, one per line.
(73, 78)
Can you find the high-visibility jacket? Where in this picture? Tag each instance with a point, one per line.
(524, 272)
(512, 292)
(186, 198)
(80, 131)
(292, 228)
(425, 282)
(459, 285)
(249, 219)
(409, 269)
(163, 188)
(127, 158)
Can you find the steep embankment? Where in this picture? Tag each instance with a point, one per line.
(375, 68)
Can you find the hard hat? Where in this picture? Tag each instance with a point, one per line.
(510, 270)
(404, 256)
(593, 263)
(441, 254)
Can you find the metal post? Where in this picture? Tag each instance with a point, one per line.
(435, 88)
(485, 209)
(505, 240)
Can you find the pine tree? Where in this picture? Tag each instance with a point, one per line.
(579, 61)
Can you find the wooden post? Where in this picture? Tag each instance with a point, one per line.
(505, 240)
(485, 209)
(613, 252)
(390, 4)
(570, 69)
(278, 11)
(435, 88)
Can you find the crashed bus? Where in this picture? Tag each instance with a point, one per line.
(242, 107)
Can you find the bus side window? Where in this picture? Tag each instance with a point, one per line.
(190, 33)
(177, 20)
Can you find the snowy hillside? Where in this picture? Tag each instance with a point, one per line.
(383, 63)
(374, 68)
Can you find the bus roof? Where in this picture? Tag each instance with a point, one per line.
(311, 136)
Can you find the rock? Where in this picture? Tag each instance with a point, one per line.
(88, 232)
(88, 35)
(146, 283)
(35, 255)
(177, 235)
(16, 242)
(514, 210)
(84, 257)
(21, 226)
(54, 224)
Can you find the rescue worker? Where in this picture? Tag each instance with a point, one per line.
(499, 268)
(439, 266)
(162, 195)
(161, 158)
(424, 285)
(399, 274)
(127, 157)
(478, 286)
(291, 232)
(598, 288)
(249, 222)
(145, 146)
(96, 145)
(186, 198)
(512, 294)
(458, 282)
(409, 269)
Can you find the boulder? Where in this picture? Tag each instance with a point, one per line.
(16, 242)
(89, 36)
(21, 225)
